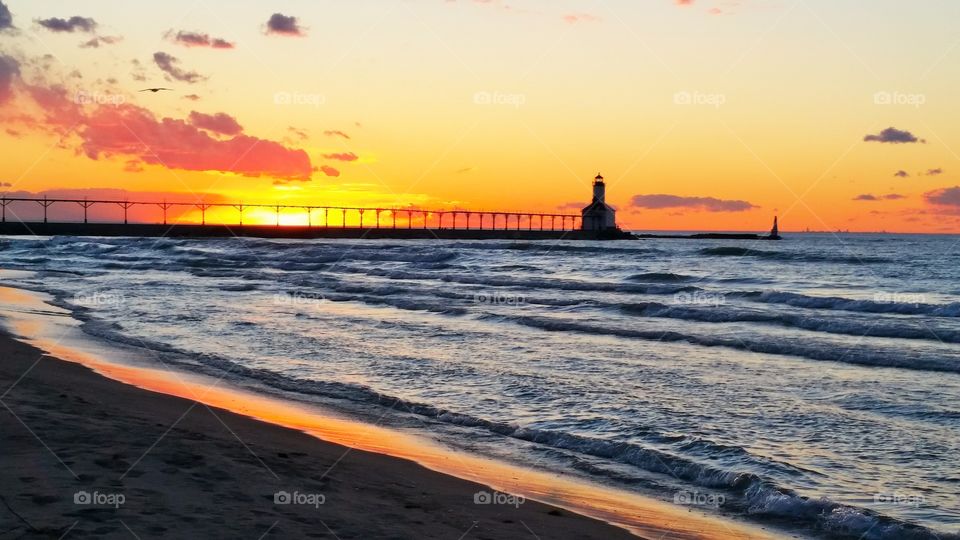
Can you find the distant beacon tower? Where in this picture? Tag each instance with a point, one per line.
(599, 216)
(775, 231)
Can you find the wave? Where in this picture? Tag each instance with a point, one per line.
(848, 304)
(730, 251)
(545, 248)
(724, 314)
(753, 494)
(857, 354)
(662, 277)
(531, 283)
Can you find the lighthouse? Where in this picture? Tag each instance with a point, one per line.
(598, 215)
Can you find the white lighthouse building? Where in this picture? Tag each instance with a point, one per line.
(599, 216)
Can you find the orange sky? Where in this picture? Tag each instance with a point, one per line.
(711, 115)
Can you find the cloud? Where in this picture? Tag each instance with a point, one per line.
(133, 132)
(933, 172)
(97, 41)
(73, 24)
(9, 73)
(683, 2)
(902, 174)
(169, 65)
(284, 25)
(706, 204)
(944, 197)
(192, 97)
(574, 206)
(126, 132)
(133, 165)
(869, 197)
(6, 18)
(336, 133)
(197, 39)
(575, 18)
(329, 171)
(342, 156)
(300, 134)
(221, 123)
(894, 136)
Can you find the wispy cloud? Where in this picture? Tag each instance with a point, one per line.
(73, 24)
(171, 66)
(869, 197)
(198, 39)
(705, 204)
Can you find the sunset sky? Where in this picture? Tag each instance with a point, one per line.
(702, 114)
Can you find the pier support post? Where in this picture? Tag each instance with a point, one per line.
(126, 205)
(85, 204)
(240, 208)
(4, 203)
(165, 206)
(45, 204)
(203, 213)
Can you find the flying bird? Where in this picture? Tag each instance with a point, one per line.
(155, 90)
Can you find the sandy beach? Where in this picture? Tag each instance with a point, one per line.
(152, 465)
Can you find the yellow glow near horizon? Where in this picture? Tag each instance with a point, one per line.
(775, 118)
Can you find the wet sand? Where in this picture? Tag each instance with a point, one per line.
(155, 465)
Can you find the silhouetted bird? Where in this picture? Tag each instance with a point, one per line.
(155, 90)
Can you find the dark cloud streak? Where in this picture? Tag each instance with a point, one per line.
(73, 24)
(170, 65)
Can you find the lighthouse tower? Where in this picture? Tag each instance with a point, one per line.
(599, 216)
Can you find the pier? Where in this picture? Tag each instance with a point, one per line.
(78, 217)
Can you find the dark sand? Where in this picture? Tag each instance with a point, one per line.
(184, 474)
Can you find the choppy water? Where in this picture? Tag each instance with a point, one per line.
(813, 382)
